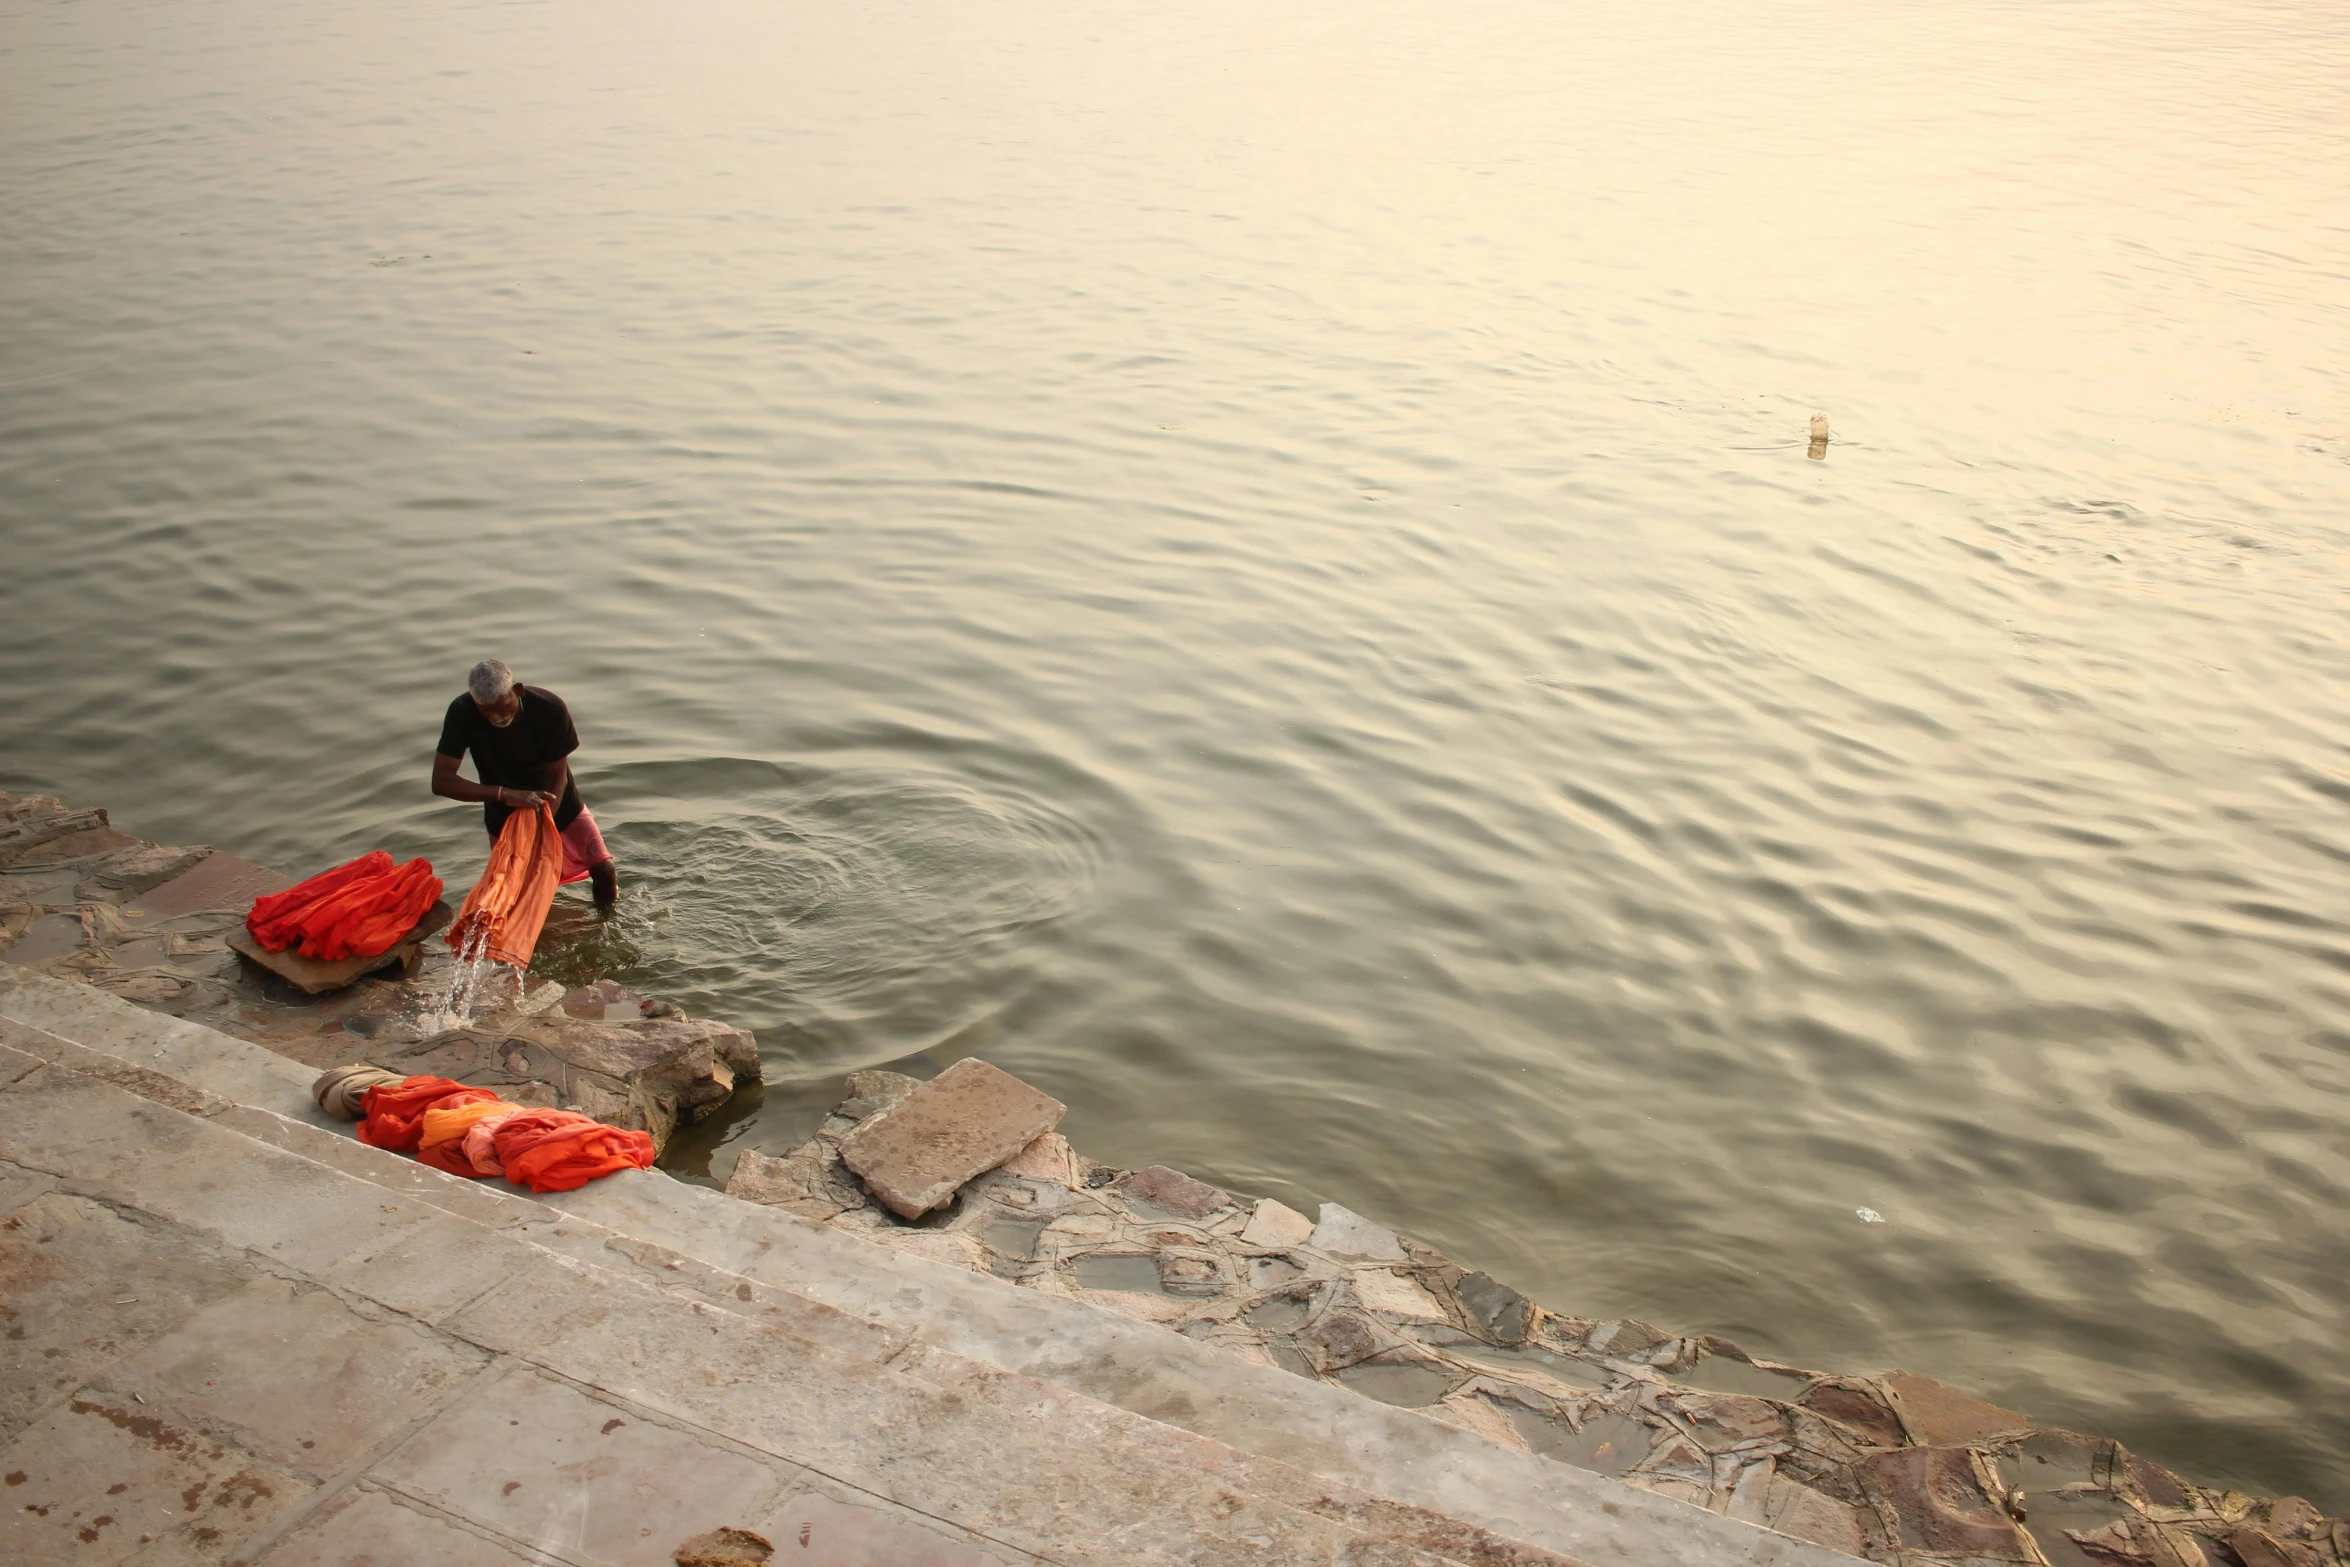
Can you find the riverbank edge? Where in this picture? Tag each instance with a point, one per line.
(1893, 1467)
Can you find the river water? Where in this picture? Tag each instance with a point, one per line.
(1260, 568)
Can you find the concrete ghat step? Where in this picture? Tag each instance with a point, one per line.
(763, 1273)
(1017, 1463)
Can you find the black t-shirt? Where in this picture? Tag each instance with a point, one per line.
(517, 755)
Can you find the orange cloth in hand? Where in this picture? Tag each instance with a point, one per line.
(560, 1151)
(395, 1111)
(442, 1141)
(510, 902)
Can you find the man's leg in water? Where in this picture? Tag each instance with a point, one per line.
(584, 854)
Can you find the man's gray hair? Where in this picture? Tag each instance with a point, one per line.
(490, 681)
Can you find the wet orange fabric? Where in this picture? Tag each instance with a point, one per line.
(559, 1151)
(481, 1148)
(395, 1111)
(510, 902)
(276, 918)
(358, 909)
(441, 1143)
(367, 917)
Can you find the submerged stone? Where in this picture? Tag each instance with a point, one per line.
(1394, 1296)
(1856, 1404)
(1171, 1191)
(1407, 1385)
(1942, 1505)
(1503, 1313)
(1937, 1416)
(872, 1092)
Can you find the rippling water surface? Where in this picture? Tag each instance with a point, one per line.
(1259, 567)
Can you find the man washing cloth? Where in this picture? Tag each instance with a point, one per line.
(519, 736)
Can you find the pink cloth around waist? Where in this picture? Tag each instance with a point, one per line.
(583, 848)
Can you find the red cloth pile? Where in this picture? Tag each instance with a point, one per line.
(470, 1131)
(358, 910)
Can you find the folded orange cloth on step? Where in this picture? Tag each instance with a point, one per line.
(395, 1111)
(357, 910)
(446, 1126)
(560, 1151)
(510, 902)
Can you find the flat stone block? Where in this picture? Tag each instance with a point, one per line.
(1392, 1295)
(73, 846)
(372, 1529)
(81, 1287)
(316, 976)
(104, 1480)
(1937, 1416)
(218, 882)
(1807, 1514)
(963, 1122)
(1171, 1191)
(307, 1382)
(1941, 1504)
(1276, 1227)
(46, 939)
(543, 1462)
(1346, 1233)
(1502, 1312)
(149, 866)
(1049, 1158)
(810, 1530)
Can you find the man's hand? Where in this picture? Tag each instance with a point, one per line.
(526, 799)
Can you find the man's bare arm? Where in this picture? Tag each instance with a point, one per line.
(449, 785)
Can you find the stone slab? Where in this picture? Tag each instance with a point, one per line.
(1276, 1227)
(218, 882)
(545, 1462)
(256, 1359)
(316, 977)
(373, 1529)
(82, 1286)
(74, 848)
(1171, 1191)
(813, 1530)
(103, 1479)
(146, 868)
(46, 939)
(1938, 1416)
(1049, 1158)
(964, 1122)
(1345, 1233)
(702, 1353)
(1396, 1296)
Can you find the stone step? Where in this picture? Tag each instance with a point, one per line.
(1013, 1461)
(761, 1277)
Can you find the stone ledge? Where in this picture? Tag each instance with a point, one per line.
(692, 1240)
(1896, 1467)
(157, 926)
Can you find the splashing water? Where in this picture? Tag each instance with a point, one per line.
(454, 1008)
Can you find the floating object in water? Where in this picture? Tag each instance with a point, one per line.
(1868, 1216)
(1819, 438)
